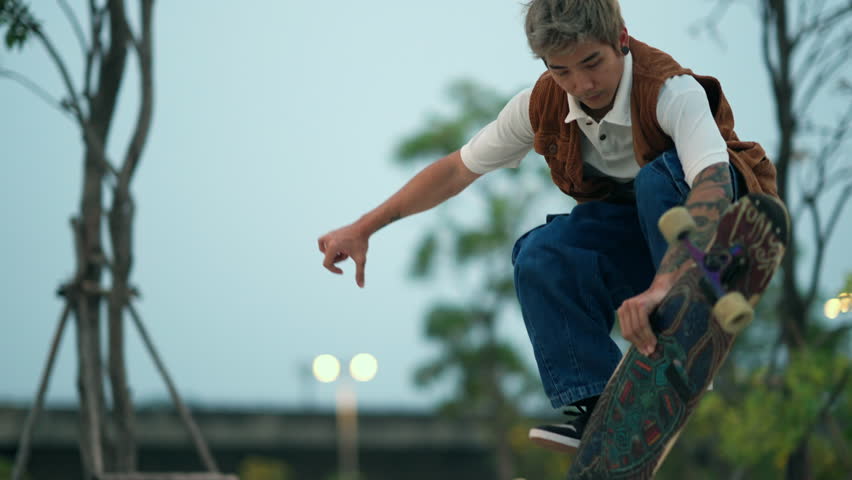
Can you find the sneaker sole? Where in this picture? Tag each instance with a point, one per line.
(554, 442)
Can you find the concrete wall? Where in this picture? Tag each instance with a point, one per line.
(392, 445)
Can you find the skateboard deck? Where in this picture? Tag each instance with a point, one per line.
(648, 400)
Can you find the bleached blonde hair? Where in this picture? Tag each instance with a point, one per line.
(555, 27)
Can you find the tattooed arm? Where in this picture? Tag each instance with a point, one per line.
(711, 194)
(432, 186)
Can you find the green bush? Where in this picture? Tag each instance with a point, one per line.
(262, 468)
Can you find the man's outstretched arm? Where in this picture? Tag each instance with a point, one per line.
(433, 185)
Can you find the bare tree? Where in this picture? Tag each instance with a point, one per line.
(804, 49)
(106, 43)
(92, 106)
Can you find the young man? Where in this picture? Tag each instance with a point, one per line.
(628, 133)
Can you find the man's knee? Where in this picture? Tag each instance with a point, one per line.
(661, 180)
(530, 258)
(545, 262)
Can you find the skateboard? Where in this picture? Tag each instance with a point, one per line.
(648, 400)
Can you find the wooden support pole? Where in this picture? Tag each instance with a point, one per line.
(183, 411)
(22, 456)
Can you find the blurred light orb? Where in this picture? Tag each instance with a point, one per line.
(845, 302)
(326, 368)
(832, 308)
(363, 367)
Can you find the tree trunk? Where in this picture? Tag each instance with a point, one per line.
(102, 112)
(505, 463)
(105, 54)
(792, 307)
(120, 226)
(501, 416)
(799, 463)
(87, 312)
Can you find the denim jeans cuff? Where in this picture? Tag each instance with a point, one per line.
(575, 394)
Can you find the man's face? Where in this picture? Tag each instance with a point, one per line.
(590, 73)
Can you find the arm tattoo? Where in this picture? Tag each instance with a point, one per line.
(394, 218)
(711, 194)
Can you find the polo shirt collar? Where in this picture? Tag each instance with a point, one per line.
(620, 113)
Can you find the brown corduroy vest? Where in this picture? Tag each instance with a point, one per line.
(559, 142)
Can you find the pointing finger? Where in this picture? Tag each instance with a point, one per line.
(360, 263)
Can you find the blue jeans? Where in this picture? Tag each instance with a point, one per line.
(573, 272)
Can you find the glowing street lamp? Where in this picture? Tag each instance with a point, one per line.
(845, 302)
(834, 307)
(326, 368)
(363, 368)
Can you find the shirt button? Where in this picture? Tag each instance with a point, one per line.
(552, 148)
(602, 137)
(589, 123)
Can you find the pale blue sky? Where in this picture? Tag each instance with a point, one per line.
(275, 122)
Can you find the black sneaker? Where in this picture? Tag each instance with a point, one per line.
(563, 437)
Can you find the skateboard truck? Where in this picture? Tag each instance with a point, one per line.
(731, 309)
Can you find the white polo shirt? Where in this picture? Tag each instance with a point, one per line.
(683, 113)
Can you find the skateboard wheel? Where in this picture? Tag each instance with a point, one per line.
(675, 223)
(733, 312)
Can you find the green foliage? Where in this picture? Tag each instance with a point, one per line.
(495, 235)
(475, 365)
(775, 413)
(424, 256)
(470, 351)
(6, 466)
(692, 458)
(502, 285)
(449, 324)
(488, 376)
(534, 462)
(444, 134)
(767, 401)
(16, 18)
(262, 468)
(829, 337)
